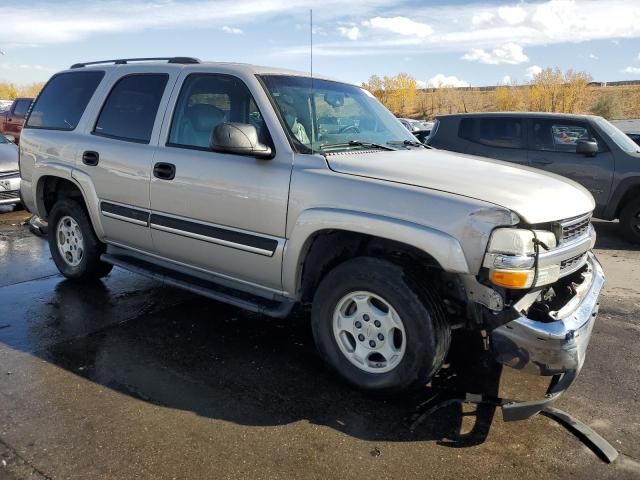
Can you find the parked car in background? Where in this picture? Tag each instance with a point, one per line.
(419, 128)
(587, 149)
(9, 174)
(11, 121)
(389, 244)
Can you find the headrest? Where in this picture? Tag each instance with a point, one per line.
(205, 117)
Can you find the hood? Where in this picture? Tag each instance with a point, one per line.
(536, 196)
(8, 157)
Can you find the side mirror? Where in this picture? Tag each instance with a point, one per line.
(11, 138)
(239, 139)
(587, 148)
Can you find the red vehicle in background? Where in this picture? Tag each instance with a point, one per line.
(12, 120)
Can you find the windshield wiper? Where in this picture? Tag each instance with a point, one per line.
(408, 143)
(356, 143)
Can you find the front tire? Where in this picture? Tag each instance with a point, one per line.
(74, 247)
(375, 326)
(630, 221)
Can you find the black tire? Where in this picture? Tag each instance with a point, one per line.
(630, 221)
(428, 334)
(90, 266)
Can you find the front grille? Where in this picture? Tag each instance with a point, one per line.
(573, 263)
(10, 195)
(569, 230)
(12, 173)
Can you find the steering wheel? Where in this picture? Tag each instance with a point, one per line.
(349, 129)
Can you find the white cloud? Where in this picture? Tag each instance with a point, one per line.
(421, 84)
(509, 53)
(233, 30)
(512, 15)
(352, 33)
(632, 70)
(440, 80)
(400, 26)
(593, 56)
(506, 80)
(532, 71)
(11, 66)
(639, 56)
(482, 17)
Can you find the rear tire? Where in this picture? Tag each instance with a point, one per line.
(73, 244)
(378, 329)
(630, 221)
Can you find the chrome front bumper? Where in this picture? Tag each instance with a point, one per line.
(556, 348)
(9, 189)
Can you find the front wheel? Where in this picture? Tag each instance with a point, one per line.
(74, 247)
(377, 328)
(630, 221)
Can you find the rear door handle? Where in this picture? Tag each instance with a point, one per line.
(90, 158)
(164, 171)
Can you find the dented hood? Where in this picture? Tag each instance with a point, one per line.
(536, 196)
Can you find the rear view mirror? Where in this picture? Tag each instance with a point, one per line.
(239, 139)
(588, 148)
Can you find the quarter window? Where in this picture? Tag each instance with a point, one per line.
(206, 101)
(551, 135)
(130, 110)
(501, 132)
(63, 100)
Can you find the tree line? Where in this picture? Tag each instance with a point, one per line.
(11, 91)
(550, 90)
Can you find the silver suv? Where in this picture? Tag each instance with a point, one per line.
(265, 188)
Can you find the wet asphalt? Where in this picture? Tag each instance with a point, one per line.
(128, 378)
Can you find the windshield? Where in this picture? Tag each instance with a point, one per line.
(333, 116)
(618, 136)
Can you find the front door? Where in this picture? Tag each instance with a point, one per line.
(553, 148)
(222, 213)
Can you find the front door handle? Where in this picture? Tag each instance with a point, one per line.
(90, 158)
(164, 171)
(541, 161)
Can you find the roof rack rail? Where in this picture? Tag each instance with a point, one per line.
(123, 61)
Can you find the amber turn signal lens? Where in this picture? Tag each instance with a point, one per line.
(511, 279)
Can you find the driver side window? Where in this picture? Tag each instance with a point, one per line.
(208, 100)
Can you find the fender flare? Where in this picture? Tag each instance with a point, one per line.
(444, 248)
(613, 206)
(75, 176)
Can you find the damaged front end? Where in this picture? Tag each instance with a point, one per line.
(544, 325)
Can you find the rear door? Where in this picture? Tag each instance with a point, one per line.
(118, 147)
(553, 148)
(500, 137)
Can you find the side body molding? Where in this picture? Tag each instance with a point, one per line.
(441, 246)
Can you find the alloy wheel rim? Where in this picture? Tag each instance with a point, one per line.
(369, 332)
(69, 241)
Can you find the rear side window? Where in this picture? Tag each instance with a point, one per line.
(131, 107)
(21, 108)
(502, 132)
(63, 100)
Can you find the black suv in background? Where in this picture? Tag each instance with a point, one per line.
(584, 148)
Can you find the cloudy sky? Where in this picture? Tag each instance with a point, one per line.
(456, 42)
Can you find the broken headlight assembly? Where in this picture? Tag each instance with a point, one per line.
(512, 258)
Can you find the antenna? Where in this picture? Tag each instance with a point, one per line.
(311, 41)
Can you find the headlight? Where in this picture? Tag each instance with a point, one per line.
(511, 258)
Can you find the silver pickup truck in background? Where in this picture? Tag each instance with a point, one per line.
(265, 188)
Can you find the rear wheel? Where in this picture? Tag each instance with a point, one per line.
(377, 328)
(73, 244)
(630, 221)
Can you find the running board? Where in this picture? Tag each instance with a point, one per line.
(206, 288)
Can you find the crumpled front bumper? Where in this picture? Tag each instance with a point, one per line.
(555, 348)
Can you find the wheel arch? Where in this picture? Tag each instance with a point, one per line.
(323, 238)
